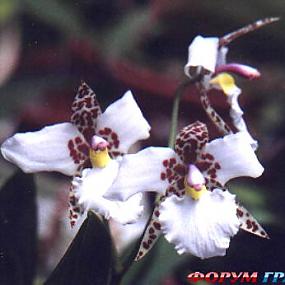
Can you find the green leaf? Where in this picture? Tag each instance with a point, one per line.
(127, 33)
(62, 16)
(18, 230)
(155, 266)
(8, 9)
(88, 260)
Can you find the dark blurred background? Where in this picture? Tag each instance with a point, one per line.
(47, 47)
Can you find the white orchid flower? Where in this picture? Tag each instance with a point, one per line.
(93, 142)
(195, 213)
(207, 56)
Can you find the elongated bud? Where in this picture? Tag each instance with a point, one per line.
(245, 71)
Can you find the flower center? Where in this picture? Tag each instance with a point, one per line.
(194, 183)
(98, 153)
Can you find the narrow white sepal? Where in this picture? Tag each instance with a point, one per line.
(236, 114)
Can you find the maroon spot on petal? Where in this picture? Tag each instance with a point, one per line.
(157, 225)
(209, 156)
(217, 165)
(180, 184)
(70, 144)
(162, 176)
(83, 148)
(254, 227)
(203, 165)
(168, 172)
(239, 213)
(171, 189)
(248, 224)
(153, 236)
(108, 131)
(116, 144)
(165, 163)
(114, 136)
(157, 213)
(101, 132)
(151, 231)
(145, 245)
(180, 169)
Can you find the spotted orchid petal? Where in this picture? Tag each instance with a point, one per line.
(45, 150)
(122, 124)
(151, 169)
(203, 52)
(90, 188)
(190, 141)
(249, 223)
(85, 110)
(202, 228)
(151, 234)
(229, 157)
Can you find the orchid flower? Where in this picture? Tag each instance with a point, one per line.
(195, 212)
(89, 147)
(206, 55)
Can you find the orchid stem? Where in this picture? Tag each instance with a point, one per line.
(175, 110)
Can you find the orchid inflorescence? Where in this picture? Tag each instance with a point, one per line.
(194, 209)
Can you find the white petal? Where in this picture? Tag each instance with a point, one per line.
(235, 156)
(124, 235)
(125, 118)
(236, 114)
(203, 227)
(202, 52)
(90, 188)
(141, 172)
(44, 150)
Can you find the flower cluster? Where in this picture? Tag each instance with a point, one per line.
(194, 208)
